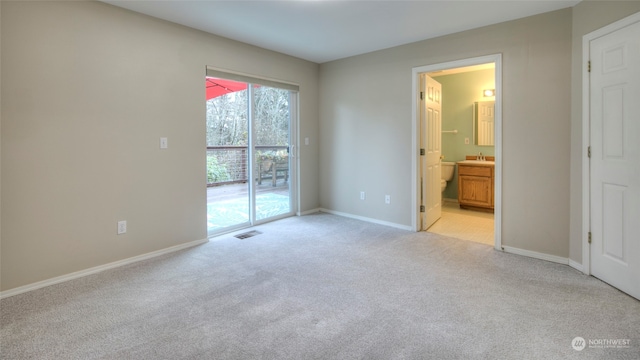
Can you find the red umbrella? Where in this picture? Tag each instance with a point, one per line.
(218, 87)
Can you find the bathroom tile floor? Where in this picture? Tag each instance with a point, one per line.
(464, 224)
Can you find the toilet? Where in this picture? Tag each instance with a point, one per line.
(447, 173)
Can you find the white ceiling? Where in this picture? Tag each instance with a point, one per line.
(321, 30)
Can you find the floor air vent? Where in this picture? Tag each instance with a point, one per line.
(248, 234)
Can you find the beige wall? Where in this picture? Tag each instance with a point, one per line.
(588, 16)
(88, 89)
(365, 127)
(0, 147)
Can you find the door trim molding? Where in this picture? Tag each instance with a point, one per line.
(586, 131)
(415, 138)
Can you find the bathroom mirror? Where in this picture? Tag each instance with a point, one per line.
(483, 123)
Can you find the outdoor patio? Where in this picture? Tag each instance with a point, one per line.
(228, 205)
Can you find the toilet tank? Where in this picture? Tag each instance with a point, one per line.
(447, 170)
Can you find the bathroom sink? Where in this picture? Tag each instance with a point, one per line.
(477, 162)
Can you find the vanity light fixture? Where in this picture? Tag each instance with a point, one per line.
(489, 92)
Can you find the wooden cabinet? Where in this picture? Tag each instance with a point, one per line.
(475, 186)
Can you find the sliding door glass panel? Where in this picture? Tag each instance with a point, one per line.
(228, 155)
(272, 148)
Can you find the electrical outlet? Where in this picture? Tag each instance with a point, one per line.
(122, 227)
(387, 199)
(361, 195)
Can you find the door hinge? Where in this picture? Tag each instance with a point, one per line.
(421, 95)
(589, 151)
(589, 66)
(589, 239)
(421, 208)
(422, 152)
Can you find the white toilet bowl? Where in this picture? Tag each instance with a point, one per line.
(446, 174)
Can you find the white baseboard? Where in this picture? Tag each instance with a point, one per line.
(576, 266)
(308, 212)
(375, 221)
(97, 269)
(536, 255)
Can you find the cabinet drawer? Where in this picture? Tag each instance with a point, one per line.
(474, 170)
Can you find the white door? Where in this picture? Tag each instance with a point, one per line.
(430, 146)
(615, 158)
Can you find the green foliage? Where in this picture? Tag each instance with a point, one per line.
(227, 117)
(228, 133)
(215, 171)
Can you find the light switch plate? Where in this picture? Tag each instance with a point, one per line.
(163, 143)
(122, 227)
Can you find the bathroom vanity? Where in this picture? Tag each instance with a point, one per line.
(475, 184)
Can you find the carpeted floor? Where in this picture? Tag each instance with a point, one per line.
(325, 287)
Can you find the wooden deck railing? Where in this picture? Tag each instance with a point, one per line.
(232, 162)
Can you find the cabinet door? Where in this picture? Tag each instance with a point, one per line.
(475, 191)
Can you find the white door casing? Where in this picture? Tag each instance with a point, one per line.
(431, 142)
(614, 191)
(416, 174)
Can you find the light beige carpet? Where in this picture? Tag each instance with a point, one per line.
(324, 287)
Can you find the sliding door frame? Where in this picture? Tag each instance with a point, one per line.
(293, 157)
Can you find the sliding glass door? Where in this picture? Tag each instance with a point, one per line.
(250, 152)
(227, 154)
(272, 147)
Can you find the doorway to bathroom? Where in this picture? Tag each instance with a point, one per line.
(470, 90)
